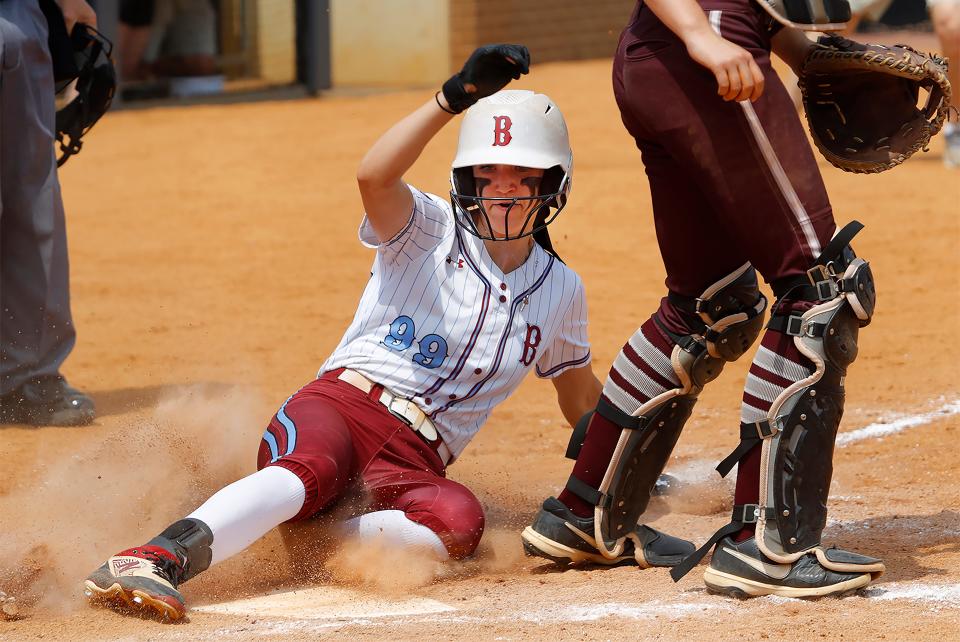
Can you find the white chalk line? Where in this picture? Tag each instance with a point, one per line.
(275, 616)
(937, 594)
(905, 526)
(934, 596)
(898, 423)
(641, 611)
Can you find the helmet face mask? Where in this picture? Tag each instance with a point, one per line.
(521, 129)
(472, 211)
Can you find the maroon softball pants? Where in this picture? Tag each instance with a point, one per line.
(730, 183)
(335, 438)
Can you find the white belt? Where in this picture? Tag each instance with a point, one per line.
(404, 410)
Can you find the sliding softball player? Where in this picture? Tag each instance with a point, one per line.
(465, 299)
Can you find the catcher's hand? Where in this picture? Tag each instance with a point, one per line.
(861, 102)
(487, 71)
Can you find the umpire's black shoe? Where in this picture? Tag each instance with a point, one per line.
(46, 401)
(741, 570)
(559, 535)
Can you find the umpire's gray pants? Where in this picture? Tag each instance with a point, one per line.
(36, 330)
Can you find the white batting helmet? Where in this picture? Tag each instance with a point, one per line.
(513, 127)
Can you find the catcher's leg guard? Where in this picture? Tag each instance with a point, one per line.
(800, 429)
(731, 313)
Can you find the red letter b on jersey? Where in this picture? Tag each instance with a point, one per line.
(530, 344)
(501, 131)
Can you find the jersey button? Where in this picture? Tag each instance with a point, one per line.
(502, 298)
(453, 396)
(503, 286)
(478, 371)
(428, 401)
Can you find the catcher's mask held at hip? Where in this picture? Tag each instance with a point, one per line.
(519, 129)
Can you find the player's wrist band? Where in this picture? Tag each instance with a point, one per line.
(436, 97)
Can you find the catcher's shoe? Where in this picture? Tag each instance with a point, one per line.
(741, 570)
(561, 536)
(142, 579)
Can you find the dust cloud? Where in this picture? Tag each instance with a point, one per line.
(118, 493)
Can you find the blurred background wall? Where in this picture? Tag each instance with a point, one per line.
(323, 44)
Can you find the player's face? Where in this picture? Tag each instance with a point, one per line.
(507, 182)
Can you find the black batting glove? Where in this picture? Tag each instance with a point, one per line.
(488, 70)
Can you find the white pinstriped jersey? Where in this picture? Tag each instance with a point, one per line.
(440, 324)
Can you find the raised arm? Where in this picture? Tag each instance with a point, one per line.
(385, 196)
(738, 76)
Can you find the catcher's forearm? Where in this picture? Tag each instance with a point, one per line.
(792, 46)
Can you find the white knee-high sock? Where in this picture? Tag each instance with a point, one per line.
(393, 528)
(247, 509)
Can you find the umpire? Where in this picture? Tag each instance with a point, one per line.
(36, 328)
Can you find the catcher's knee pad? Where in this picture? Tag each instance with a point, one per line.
(731, 312)
(800, 429)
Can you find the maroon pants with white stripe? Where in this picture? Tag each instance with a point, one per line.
(718, 198)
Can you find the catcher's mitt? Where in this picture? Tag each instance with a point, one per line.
(861, 102)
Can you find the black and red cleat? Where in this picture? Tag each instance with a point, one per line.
(141, 580)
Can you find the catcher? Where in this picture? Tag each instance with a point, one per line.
(464, 300)
(736, 190)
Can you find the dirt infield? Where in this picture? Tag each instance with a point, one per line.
(214, 267)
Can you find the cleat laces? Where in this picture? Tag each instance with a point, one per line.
(169, 569)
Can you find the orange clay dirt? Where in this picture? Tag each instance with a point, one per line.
(215, 265)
